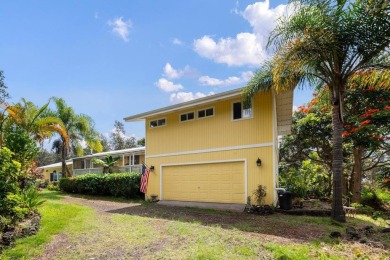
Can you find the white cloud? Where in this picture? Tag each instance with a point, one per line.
(246, 48)
(168, 86)
(121, 28)
(176, 41)
(171, 73)
(187, 96)
(209, 81)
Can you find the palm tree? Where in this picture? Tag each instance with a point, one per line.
(33, 120)
(108, 163)
(79, 128)
(327, 43)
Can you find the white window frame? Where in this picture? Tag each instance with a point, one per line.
(204, 109)
(157, 123)
(187, 117)
(242, 111)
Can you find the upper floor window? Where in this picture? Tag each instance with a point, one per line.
(205, 112)
(157, 123)
(187, 117)
(239, 112)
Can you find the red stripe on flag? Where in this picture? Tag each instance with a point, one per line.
(144, 181)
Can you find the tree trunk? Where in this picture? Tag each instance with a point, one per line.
(65, 170)
(337, 200)
(357, 177)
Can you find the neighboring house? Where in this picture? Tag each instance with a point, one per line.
(208, 149)
(130, 161)
(53, 172)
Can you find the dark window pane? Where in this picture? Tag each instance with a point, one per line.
(237, 110)
(153, 123)
(183, 117)
(136, 159)
(209, 112)
(201, 113)
(190, 116)
(161, 122)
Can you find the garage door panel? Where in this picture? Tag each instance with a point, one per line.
(216, 182)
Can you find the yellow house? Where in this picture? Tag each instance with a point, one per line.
(130, 160)
(212, 150)
(53, 172)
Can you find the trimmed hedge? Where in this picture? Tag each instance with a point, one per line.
(114, 184)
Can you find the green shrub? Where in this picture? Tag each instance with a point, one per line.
(114, 184)
(53, 186)
(370, 198)
(363, 209)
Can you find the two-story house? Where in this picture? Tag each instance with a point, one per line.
(212, 150)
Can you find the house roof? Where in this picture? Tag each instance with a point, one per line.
(116, 152)
(54, 165)
(284, 104)
(184, 105)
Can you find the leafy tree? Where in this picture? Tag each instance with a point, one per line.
(24, 148)
(46, 157)
(105, 143)
(329, 43)
(141, 142)
(3, 89)
(79, 128)
(108, 163)
(119, 140)
(366, 135)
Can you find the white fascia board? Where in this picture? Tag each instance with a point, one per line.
(185, 105)
(117, 152)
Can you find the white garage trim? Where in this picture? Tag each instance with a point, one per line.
(212, 150)
(207, 162)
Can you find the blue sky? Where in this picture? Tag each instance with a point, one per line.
(112, 59)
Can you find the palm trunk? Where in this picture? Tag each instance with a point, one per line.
(357, 178)
(337, 201)
(65, 170)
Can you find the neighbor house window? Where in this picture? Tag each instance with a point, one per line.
(205, 112)
(157, 123)
(239, 112)
(187, 117)
(136, 159)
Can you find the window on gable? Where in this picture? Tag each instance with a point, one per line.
(187, 117)
(157, 123)
(206, 112)
(239, 112)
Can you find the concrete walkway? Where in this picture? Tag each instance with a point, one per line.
(204, 205)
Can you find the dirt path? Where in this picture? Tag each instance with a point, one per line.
(101, 206)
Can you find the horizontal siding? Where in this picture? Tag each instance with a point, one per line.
(212, 132)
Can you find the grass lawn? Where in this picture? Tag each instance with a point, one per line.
(84, 228)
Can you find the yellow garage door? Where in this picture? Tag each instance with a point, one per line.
(214, 182)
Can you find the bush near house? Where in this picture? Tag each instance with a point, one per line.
(114, 184)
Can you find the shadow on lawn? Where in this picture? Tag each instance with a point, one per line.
(303, 228)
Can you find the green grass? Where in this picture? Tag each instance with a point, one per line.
(168, 233)
(57, 217)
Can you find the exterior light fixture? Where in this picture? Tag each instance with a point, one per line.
(151, 168)
(258, 162)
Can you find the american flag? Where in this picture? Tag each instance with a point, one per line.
(144, 179)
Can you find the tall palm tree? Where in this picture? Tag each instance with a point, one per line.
(33, 120)
(79, 128)
(327, 43)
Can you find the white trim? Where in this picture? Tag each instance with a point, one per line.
(204, 109)
(274, 146)
(208, 162)
(211, 150)
(185, 105)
